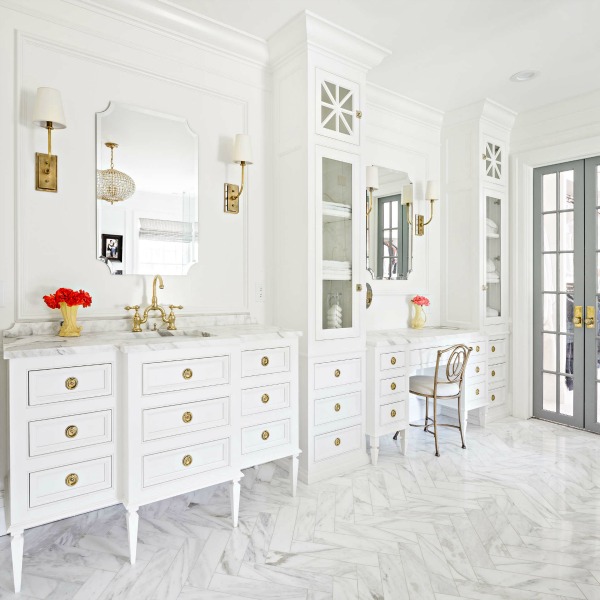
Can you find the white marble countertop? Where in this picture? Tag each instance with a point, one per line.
(41, 344)
(418, 337)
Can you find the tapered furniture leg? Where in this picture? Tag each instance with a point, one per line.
(16, 550)
(404, 441)
(374, 443)
(132, 532)
(294, 474)
(235, 501)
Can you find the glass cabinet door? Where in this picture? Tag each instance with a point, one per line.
(338, 112)
(337, 242)
(495, 267)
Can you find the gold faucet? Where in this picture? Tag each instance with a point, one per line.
(154, 306)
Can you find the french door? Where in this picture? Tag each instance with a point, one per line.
(566, 284)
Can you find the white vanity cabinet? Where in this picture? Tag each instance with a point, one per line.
(62, 431)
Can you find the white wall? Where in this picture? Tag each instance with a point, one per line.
(405, 135)
(93, 58)
(559, 132)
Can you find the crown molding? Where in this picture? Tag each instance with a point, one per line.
(309, 30)
(485, 109)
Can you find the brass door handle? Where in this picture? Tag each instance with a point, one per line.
(264, 361)
(337, 372)
(578, 316)
(590, 317)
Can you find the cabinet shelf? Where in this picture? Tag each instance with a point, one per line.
(335, 211)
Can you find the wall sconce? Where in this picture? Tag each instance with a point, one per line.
(48, 113)
(372, 184)
(242, 154)
(432, 193)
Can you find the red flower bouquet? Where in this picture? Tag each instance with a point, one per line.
(68, 301)
(420, 301)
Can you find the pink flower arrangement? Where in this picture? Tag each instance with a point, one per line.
(420, 301)
(69, 297)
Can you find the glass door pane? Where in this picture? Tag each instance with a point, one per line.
(493, 247)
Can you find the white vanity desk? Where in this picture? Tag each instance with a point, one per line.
(394, 355)
(119, 417)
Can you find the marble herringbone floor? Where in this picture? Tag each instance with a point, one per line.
(515, 516)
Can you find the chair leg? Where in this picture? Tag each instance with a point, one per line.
(396, 436)
(462, 436)
(426, 413)
(435, 433)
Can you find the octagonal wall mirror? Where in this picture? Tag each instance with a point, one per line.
(389, 237)
(146, 191)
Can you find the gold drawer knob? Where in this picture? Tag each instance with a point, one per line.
(477, 369)
(393, 385)
(337, 441)
(393, 360)
(71, 383)
(187, 460)
(187, 417)
(493, 348)
(264, 398)
(393, 413)
(264, 361)
(493, 373)
(476, 348)
(337, 407)
(477, 392)
(71, 431)
(187, 373)
(265, 435)
(337, 372)
(493, 397)
(71, 479)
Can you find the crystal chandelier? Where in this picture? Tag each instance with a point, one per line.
(112, 185)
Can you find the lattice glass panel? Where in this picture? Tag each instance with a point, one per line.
(337, 108)
(493, 161)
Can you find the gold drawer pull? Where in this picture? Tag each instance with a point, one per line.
(337, 441)
(477, 392)
(265, 435)
(187, 373)
(476, 348)
(264, 398)
(187, 417)
(187, 460)
(337, 372)
(264, 361)
(337, 407)
(393, 360)
(71, 479)
(477, 369)
(493, 348)
(71, 383)
(393, 413)
(393, 386)
(493, 373)
(493, 397)
(71, 431)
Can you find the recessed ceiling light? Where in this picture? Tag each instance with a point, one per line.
(524, 75)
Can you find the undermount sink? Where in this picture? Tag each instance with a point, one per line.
(184, 332)
(130, 336)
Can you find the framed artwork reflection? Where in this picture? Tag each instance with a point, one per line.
(112, 246)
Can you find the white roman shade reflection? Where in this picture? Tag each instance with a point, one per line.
(162, 230)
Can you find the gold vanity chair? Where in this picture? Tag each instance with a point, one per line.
(446, 384)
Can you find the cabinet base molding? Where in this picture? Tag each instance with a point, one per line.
(333, 467)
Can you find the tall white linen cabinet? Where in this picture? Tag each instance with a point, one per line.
(319, 78)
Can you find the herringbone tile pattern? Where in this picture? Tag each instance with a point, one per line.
(515, 516)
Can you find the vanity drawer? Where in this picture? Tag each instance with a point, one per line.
(394, 386)
(475, 369)
(339, 372)
(174, 375)
(69, 383)
(498, 396)
(167, 421)
(337, 442)
(391, 360)
(479, 349)
(476, 391)
(67, 433)
(185, 462)
(265, 361)
(265, 398)
(497, 348)
(496, 374)
(392, 413)
(267, 435)
(70, 481)
(336, 408)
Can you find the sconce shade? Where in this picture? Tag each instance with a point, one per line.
(48, 107)
(242, 149)
(432, 191)
(407, 193)
(373, 178)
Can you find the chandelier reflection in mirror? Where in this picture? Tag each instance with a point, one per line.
(112, 185)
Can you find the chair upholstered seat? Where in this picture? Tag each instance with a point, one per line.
(423, 385)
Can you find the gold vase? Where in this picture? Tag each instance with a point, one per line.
(69, 327)
(418, 318)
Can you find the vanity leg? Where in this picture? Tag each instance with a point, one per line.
(132, 532)
(374, 443)
(294, 474)
(235, 501)
(482, 416)
(16, 549)
(404, 441)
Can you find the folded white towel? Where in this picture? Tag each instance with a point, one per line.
(492, 312)
(490, 266)
(491, 226)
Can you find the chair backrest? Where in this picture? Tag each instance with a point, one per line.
(455, 365)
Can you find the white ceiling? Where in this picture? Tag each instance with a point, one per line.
(449, 53)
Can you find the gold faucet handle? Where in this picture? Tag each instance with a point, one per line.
(137, 320)
(171, 317)
(136, 307)
(172, 306)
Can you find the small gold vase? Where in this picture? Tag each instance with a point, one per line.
(69, 327)
(419, 318)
